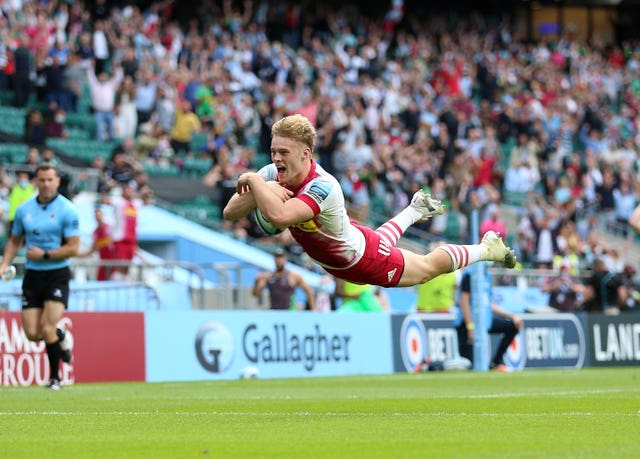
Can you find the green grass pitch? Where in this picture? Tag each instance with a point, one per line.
(542, 413)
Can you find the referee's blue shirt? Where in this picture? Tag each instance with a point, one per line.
(46, 226)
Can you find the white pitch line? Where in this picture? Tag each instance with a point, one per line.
(307, 414)
(575, 393)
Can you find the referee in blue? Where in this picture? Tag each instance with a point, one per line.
(48, 226)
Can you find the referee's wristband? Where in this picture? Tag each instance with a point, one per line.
(471, 326)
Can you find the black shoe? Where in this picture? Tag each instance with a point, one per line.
(53, 384)
(65, 348)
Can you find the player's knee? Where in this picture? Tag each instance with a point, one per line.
(32, 335)
(48, 330)
(427, 274)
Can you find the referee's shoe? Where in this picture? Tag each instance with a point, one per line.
(65, 344)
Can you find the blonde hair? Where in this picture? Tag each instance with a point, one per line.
(296, 127)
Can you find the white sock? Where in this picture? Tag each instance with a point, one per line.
(462, 255)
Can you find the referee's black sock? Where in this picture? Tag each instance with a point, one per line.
(53, 353)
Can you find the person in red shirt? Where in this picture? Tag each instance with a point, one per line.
(125, 234)
(103, 244)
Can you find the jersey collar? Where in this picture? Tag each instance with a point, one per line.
(45, 204)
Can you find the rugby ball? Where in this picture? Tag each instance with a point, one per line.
(249, 372)
(264, 224)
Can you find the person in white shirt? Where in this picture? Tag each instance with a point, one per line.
(103, 95)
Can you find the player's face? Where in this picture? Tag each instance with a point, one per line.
(291, 158)
(47, 182)
(280, 261)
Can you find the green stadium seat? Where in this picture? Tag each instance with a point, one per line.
(198, 142)
(197, 166)
(161, 171)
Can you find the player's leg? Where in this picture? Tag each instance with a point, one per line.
(422, 207)
(31, 322)
(508, 330)
(465, 347)
(51, 315)
(449, 257)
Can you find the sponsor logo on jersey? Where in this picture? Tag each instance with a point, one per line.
(308, 226)
(318, 191)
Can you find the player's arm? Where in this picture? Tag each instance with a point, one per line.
(260, 283)
(91, 250)
(299, 282)
(280, 213)
(241, 204)
(10, 251)
(515, 318)
(465, 308)
(67, 250)
(88, 252)
(70, 247)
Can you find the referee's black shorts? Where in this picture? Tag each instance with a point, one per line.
(40, 286)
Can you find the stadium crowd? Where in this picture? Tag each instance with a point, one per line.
(463, 104)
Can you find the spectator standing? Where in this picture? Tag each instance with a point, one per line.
(74, 79)
(493, 222)
(145, 95)
(165, 108)
(48, 225)
(498, 321)
(606, 200)
(24, 72)
(54, 75)
(100, 46)
(545, 242)
(624, 204)
(282, 284)
(103, 96)
(126, 116)
(185, 124)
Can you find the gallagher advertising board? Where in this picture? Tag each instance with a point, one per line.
(204, 345)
